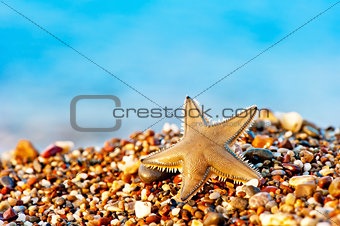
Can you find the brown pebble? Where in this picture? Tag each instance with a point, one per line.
(318, 197)
(305, 189)
(103, 221)
(153, 218)
(10, 214)
(31, 181)
(306, 156)
(286, 144)
(324, 182)
(269, 189)
(286, 158)
(185, 215)
(199, 214)
(51, 151)
(291, 167)
(334, 188)
(213, 219)
(164, 211)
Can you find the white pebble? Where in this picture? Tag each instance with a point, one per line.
(175, 211)
(45, 183)
(307, 167)
(29, 170)
(82, 175)
(214, 195)
(20, 183)
(253, 182)
(288, 134)
(298, 163)
(25, 199)
(166, 127)
(55, 219)
(21, 217)
(142, 209)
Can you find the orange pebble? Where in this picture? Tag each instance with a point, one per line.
(262, 141)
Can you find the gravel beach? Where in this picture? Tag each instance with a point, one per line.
(63, 185)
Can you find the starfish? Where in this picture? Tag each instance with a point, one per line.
(204, 151)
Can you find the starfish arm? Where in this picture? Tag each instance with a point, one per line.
(229, 130)
(193, 116)
(194, 177)
(228, 165)
(170, 158)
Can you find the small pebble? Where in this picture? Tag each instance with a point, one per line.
(142, 209)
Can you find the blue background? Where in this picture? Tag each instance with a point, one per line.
(166, 50)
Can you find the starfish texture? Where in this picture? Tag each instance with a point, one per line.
(204, 151)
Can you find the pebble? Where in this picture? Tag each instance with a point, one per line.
(104, 221)
(21, 217)
(311, 131)
(296, 180)
(153, 218)
(277, 219)
(250, 190)
(306, 156)
(253, 182)
(325, 181)
(334, 188)
(291, 121)
(148, 175)
(262, 141)
(60, 201)
(142, 209)
(214, 195)
(305, 189)
(259, 199)
(286, 144)
(175, 211)
(326, 172)
(213, 219)
(10, 214)
(19, 209)
(269, 189)
(238, 203)
(258, 155)
(196, 223)
(299, 163)
(25, 151)
(7, 181)
(51, 151)
(307, 166)
(290, 199)
(37, 166)
(308, 221)
(278, 172)
(291, 167)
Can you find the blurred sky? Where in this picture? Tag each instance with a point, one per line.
(166, 50)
